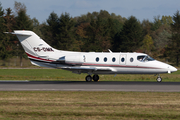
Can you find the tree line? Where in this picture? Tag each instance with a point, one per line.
(96, 31)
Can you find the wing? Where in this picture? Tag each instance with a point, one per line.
(87, 69)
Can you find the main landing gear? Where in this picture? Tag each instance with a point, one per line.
(89, 78)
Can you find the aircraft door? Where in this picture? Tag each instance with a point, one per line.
(122, 59)
(84, 58)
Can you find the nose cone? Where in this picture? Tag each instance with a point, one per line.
(172, 69)
(165, 67)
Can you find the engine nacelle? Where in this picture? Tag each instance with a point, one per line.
(79, 59)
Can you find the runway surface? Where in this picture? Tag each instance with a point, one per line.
(88, 86)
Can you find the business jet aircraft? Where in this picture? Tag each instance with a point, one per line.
(41, 54)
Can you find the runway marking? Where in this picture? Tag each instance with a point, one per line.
(14, 80)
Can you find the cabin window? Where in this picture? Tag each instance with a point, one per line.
(122, 59)
(105, 59)
(131, 59)
(113, 59)
(97, 59)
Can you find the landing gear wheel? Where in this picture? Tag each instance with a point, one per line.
(95, 78)
(159, 79)
(88, 78)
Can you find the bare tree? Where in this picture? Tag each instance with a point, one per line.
(18, 6)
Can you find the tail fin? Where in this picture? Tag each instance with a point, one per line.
(34, 46)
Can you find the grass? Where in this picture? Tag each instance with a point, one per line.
(62, 75)
(43, 105)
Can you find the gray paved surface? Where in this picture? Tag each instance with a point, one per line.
(88, 86)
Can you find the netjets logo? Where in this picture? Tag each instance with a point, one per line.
(37, 49)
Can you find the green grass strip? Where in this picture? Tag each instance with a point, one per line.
(62, 75)
(89, 105)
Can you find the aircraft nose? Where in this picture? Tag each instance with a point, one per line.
(172, 69)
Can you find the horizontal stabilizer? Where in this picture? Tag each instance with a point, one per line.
(23, 34)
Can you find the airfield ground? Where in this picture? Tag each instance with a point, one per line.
(88, 105)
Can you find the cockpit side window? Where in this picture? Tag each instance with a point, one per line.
(144, 58)
(141, 58)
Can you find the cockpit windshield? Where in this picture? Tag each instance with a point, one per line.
(144, 58)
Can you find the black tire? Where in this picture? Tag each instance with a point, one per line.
(88, 78)
(159, 79)
(95, 78)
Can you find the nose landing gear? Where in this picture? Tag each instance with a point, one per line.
(89, 78)
(159, 79)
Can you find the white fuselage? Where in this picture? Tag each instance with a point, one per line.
(117, 63)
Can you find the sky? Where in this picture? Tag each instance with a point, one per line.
(141, 9)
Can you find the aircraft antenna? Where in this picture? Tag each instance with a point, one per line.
(109, 50)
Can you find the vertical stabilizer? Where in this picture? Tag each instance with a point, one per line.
(38, 51)
(33, 44)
